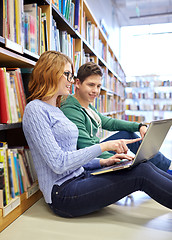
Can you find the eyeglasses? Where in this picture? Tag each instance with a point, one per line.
(69, 76)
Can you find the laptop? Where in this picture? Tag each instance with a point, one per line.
(148, 148)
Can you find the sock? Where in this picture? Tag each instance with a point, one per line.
(170, 169)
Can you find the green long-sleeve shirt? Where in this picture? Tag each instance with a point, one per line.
(88, 127)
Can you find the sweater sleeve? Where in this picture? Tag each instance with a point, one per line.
(93, 164)
(38, 132)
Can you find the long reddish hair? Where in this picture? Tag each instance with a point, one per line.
(46, 74)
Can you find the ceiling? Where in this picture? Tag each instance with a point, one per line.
(140, 12)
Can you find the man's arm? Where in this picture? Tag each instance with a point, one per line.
(113, 124)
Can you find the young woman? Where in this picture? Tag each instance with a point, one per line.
(70, 190)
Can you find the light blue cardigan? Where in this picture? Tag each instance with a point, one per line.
(52, 139)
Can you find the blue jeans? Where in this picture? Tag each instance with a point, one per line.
(158, 160)
(88, 193)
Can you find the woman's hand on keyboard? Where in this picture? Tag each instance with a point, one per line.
(115, 159)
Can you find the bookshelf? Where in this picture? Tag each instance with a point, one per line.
(148, 98)
(72, 30)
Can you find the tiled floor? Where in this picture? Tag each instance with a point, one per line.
(133, 218)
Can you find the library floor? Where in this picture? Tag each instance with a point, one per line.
(133, 218)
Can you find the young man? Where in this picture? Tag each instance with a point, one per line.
(79, 110)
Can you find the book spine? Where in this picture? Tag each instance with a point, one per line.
(77, 8)
(10, 175)
(4, 110)
(3, 153)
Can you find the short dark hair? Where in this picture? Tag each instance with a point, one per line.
(88, 69)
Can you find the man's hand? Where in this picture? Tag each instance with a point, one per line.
(143, 131)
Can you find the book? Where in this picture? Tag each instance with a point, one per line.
(30, 164)
(12, 83)
(44, 21)
(39, 30)
(20, 105)
(21, 89)
(2, 185)
(17, 21)
(11, 21)
(71, 13)
(18, 81)
(63, 5)
(8, 93)
(11, 180)
(1, 19)
(21, 151)
(77, 9)
(19, 173)
(1, 198)
(3, 153)
(4, 109)
(26, 31)
(14, 173)
(32, 10)
(42, 35)
(26, 181)
(12, 102)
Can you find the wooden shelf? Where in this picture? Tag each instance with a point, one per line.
(24, 205)
(10, 126)
(12, 59)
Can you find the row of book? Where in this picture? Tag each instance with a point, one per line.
(111, 61)
(139, 95)
(70, 10)
(165, 83)
(139, 84)
(107, 103)
(153, 82)
(102, 134)
(67, 44)
(140, 107)
(134, 118)
(120, 105)
(149, 95)
(100, 103)
(163, 95)
(12, 17)
(90, 32)
(17, 172)
(112, 83)
(163, 107)
(27, 25)
(12, 96)
(115, 66)
(86, 57)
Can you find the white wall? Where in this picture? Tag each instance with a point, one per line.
(105, 9)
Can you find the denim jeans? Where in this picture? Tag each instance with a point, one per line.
(158, 160)
(88, 193)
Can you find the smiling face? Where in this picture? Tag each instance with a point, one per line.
(65, 81)
(87, 91)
